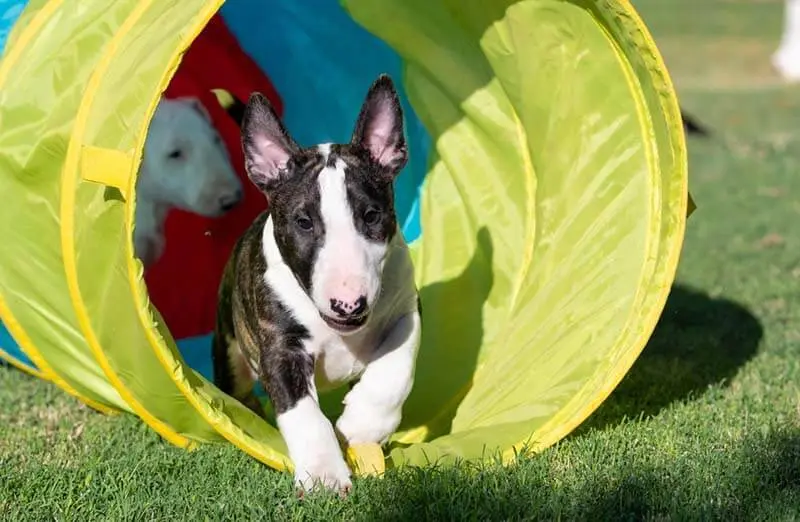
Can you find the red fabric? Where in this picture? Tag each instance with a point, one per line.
(183, 283)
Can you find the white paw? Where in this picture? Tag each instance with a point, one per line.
(364, 423)
(323, 470)
(314, 448)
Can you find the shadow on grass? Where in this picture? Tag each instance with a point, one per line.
(761, 478)
(758, 479)
(699, 341)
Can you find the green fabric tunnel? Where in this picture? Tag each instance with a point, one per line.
(551, 210)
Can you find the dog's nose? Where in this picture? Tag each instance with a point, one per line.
(349, 309)
(228, 201)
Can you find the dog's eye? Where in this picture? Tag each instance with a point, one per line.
(304, 223)
(176, 154)
(372, 217)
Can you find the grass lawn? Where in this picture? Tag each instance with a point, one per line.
(705, 426)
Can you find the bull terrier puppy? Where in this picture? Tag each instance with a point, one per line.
(319, 292)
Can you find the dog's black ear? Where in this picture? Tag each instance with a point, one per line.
(379, 128)
(267, 146)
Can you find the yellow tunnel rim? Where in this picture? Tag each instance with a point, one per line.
(158, 345)
(43, 369)
(660, 77)
(69, 181)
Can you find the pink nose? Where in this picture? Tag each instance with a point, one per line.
(349, 308)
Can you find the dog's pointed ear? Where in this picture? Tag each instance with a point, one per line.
(379, 128)
(195, 104)
(267, 146)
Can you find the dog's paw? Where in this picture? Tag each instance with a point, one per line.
(314, 449)
(328, 472)
(364, 423)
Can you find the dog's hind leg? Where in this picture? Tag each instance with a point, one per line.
(232, 373)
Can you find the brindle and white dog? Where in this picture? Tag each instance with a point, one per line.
(320, 291)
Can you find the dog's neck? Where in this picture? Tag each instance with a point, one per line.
(149, 229)
(153, 213)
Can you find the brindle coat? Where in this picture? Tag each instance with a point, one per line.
(243, 289)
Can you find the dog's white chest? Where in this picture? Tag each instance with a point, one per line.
(338, 362)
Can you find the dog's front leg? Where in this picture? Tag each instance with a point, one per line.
(373, 407)
(288, 376)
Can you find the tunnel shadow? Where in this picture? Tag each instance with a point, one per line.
(699, 341)
(753, 482)
(452, 335)
(757, 478)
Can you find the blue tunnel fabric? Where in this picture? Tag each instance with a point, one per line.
(9, 12)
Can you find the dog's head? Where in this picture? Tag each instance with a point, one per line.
(185, 163)
(332, 205)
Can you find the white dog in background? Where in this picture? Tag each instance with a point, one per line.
(786, 58)
(186, 166)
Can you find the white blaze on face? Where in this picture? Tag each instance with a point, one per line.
(348, 265)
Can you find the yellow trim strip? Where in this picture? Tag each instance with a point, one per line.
(272, 459)
(45, 371)
(622, 367)
(69, 182)
(106, 166)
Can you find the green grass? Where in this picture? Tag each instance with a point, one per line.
(705, 426)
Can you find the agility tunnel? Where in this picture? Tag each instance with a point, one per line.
(545, 203)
